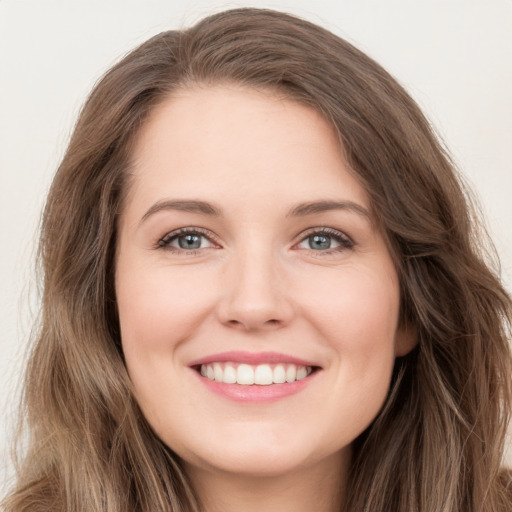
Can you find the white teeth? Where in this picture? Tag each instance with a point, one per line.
(229, 374)
(279, 374)
(261, 375)
(291, 373)
(301, 373)
(245, 374)
(218, 374)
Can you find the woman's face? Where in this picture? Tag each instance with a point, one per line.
(246, 253)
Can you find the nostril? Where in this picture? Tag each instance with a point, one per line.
(254, 325)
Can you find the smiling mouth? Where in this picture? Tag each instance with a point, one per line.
(257, 375)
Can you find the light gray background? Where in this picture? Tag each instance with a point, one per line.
(454, 57)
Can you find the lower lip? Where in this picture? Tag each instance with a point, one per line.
(255, 393)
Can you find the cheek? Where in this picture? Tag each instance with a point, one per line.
(361, 328)
(357, 308)
(159, 307)
(357, 316)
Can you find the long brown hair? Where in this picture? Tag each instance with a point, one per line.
(437, 444)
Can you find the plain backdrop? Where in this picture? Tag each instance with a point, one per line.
(453, 56)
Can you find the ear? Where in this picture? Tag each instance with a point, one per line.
(406, 339)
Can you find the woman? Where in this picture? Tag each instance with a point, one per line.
(263, 288)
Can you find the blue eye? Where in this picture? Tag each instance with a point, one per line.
(326, 240)
(319, 242)
(187, 240)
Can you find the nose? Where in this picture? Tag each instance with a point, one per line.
(254, 296)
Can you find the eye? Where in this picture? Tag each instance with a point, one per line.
(326, 240)
(187, 239)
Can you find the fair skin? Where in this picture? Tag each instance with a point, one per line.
(260, 279)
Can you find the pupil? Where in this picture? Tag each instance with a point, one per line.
(189, 242)
(319, 242)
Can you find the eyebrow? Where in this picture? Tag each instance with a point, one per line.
(300, 210)
(190, 206)
(304, 209)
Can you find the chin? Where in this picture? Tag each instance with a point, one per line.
(252, 463)
(259, 452)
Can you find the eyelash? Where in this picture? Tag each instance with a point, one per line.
(339, 237)
(164, 243)
(344, 241)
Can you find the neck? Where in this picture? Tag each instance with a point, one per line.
(320, 487)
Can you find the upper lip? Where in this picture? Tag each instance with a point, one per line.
(253, 358)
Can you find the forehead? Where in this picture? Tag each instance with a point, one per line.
(231, 142)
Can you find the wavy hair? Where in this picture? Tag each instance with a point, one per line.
(437, 444)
